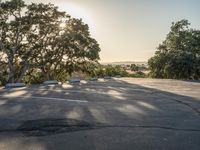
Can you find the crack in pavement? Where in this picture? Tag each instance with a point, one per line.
(152, 127)
(59, 129)
(195, 110)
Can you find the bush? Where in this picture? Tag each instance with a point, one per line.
(138, 75)
(34, 77)
(97, 70)
(112, 71)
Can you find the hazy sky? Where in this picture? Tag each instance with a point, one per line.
(129, 30)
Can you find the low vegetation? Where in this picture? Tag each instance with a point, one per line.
(138, 74)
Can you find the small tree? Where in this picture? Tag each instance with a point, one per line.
(134, 67)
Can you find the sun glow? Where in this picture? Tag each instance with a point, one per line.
(62, 25)
(77, 12)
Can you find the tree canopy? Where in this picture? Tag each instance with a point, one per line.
(40, 39)
(178, 57)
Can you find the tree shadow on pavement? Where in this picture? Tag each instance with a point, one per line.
(112, 105)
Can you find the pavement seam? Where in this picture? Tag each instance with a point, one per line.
(195, 110)
(94, 127)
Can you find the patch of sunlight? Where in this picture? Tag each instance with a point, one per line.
(90, 90)
(113, 92)
(67, 86)
(51, 85)
(84, 82)
(16, 109)
(67, 93)
(101, 80)
(130, 109)
(119, 97)
(116, 94)
(3, 102)
(16, 93)
(97, 114)
(76, 113)
(44, 92)
(147, 105)
(62, 25)
(19, 142)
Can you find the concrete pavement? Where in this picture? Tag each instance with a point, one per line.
(116, 114)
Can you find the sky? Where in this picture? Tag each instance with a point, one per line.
(129, 30)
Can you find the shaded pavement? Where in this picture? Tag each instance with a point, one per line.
(113, 114)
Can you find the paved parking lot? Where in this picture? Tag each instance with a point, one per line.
(117, 114)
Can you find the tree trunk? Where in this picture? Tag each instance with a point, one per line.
(11, 70)
(45, 73)
(25, 68)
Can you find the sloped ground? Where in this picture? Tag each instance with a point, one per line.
(114, 114)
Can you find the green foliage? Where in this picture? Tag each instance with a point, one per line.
(100, 71)
(138, 67)
(32, 38)
(134, 67)
(115, 70)
(178, 57)
(33, 77)
(138, 74)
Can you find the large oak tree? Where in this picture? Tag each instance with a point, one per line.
(40, 38)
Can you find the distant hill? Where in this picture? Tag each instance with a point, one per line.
(124, 63)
